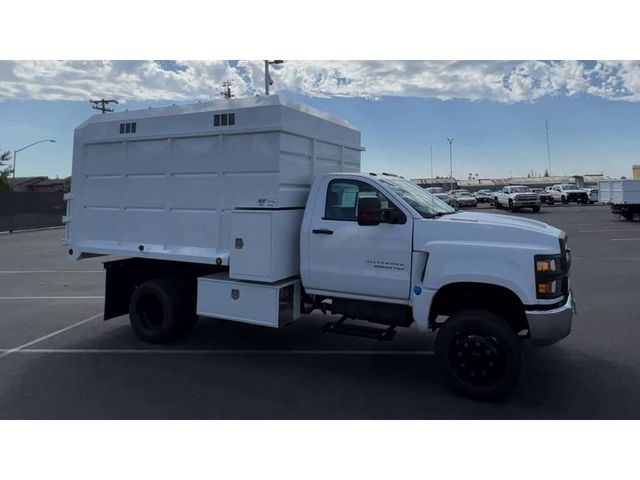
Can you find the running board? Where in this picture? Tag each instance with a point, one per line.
(344, 328)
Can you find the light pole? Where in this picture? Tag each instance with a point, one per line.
(267, 78)
(15, 153)
(546, 124)
(450, 140)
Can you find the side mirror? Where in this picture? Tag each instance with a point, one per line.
(369, 211)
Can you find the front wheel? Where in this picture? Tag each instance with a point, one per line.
(479, 354)
(536, 209)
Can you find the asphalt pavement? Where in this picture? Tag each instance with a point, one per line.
(60, 360)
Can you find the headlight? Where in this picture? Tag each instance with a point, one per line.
(547, 288)
(549, 272)
(548, 265)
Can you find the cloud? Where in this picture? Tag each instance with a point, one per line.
(499, 81)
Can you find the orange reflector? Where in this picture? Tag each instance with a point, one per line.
(544, 288)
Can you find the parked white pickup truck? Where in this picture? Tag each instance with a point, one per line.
(567, 193)
(515, 197)
(253, 210)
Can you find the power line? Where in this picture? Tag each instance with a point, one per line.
(102, 105)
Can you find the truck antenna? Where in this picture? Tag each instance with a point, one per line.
(102, 105)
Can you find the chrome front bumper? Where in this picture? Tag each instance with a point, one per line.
(547, 327)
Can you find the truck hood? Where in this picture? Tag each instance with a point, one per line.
(475, 227)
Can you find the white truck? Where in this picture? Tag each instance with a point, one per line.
(567, 193)
(622, 195)
(254, 210)
(515, 197)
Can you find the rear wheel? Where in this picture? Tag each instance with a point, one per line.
(156, 311)
(479, 354)
(497, 204)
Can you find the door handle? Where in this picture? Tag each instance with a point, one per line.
(324, 231)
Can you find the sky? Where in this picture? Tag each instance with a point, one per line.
(494, 110)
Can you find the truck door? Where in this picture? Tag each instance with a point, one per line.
(345, 257)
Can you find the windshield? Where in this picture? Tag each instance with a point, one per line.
(519, 189)
(568, 187)
(423, 202)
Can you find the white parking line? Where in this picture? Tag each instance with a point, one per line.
(611, 230)
(16, 272)
(128, 351)
(623, 239)
(52, 298)
(53, 334)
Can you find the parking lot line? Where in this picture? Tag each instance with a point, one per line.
(53, 334)
(52, 298)
(128, 351)
(623, 239)
(612, 230)
(15, 272)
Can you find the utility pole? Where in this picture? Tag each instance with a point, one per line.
(450, 140)
(431, 156)
(267, 78)
(102, 105)
(226, 90)
(546, 124)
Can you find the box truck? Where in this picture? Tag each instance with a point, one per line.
(255, 210)
(622, 195)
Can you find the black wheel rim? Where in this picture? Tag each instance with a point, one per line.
(149, 313)
(477, 358)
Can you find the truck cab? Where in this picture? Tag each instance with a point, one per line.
(379, 248)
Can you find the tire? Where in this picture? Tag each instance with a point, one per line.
(536, 209)
(156, 311)
(551, 202)
(564, 200)
(497, 204)
(511, 209)
(627, 216)
(489, 346)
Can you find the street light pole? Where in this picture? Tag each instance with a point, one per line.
(546, 124)
(450, 140)
(267, 78)
(15, 153)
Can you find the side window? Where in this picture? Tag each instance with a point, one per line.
(343, 196)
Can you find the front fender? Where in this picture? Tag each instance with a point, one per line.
(504, 264)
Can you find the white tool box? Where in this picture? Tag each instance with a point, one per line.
(272, 305)
(265, 244)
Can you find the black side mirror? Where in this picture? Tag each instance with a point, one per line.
(369, 211)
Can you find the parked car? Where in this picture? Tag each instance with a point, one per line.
(516, 196)
(463, 199)
(446, 198)
(567, 193)
(592, 195)
(544, 196)
(441, 194)
(483, 196)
